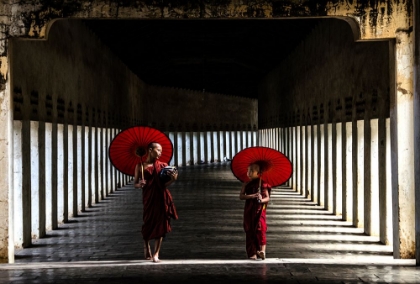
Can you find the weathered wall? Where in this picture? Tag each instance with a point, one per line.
(174, 109)
(377, 19)
(70, 75)
(326, 78)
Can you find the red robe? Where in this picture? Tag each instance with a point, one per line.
(158, 205)
(255, 224)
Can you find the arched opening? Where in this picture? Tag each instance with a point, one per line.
(311, 80)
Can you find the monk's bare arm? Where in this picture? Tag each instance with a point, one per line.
(174, 177)
(137, 177)
(266, 198)
(243, 196)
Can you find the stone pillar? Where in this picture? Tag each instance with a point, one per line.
(335, 143)
(89, 149)
(99, 174)
(311, 156)
(298, 158)
(235, 143)
(304, 159)
(231, 152)
(343, 155)
(319, 156)
(316, 163)
(26, 173)
(219, 146)
(107, 169)
(209, 150)
(102, 156)
(322, 165)
(248, 138)
(190, 148)
(338, 168)
(48, 172)
(83, 159)
(34, 179)
(348, 172)
(417, 126)
(305, 147)
(402, 147)
(116, 172)
(95, 155)
(184, 149)
(372, 220)
(196, 150)
(16, 202)
(289, 151)
(41, 170)
(388, 238)
(176, 150)
(60, 173)
(215, 141)
(358, 195)
(205, 146)
(368, 170)
(255, 137)
(65, 165)
(54, 165)
(70, 147)
(329, 182)
(199, 145)
(382, 172)
(325, 137)
(293, 158)
(354, 165)
(111, 166)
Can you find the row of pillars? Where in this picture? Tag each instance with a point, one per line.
(343, 167)
(62, 169)
(209, 146)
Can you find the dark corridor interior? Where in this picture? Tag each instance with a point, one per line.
(218, 56)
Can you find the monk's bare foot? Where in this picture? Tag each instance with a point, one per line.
(254, 257)
(156, 259)
(261, 254)
(147, 254)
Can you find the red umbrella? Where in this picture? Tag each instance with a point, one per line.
(276, 167)
(129, 147)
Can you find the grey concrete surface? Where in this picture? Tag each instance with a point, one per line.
(207, 245)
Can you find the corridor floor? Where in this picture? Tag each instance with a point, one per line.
(207, 245)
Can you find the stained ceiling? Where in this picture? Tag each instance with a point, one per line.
(220, 56)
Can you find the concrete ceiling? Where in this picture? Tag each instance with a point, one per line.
(220, 56)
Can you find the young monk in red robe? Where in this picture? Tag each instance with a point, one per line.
(254, 222)
(158, 205)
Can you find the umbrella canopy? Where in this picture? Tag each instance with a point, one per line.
(276, 167)
(129, 147)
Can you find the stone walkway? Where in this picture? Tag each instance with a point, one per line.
(207, 244)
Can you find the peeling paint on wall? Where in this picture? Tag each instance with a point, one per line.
(3, 72)
(378, 19)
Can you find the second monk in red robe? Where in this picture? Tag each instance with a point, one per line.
(255, 225)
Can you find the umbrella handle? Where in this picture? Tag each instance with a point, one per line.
(142, 173)
(259, 190)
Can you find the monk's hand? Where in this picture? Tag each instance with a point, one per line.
(174, 175)
(142, 183)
